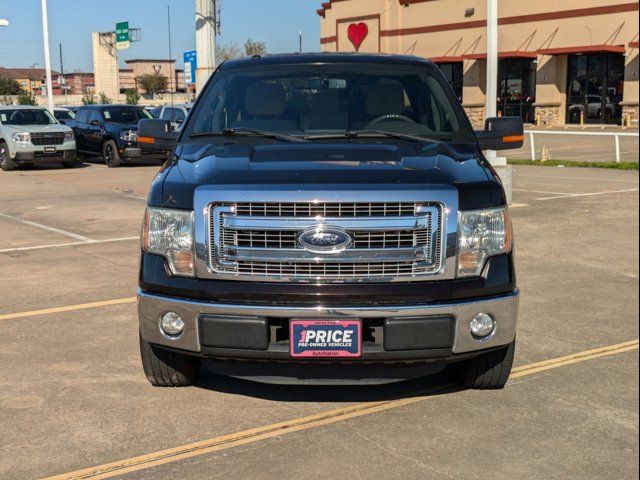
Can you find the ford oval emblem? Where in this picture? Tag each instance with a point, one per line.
(322, 239)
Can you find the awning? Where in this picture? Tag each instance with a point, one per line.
(483, 56)
(446, 59)
(635, 44)
(583, 49)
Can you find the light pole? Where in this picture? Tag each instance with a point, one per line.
(206, 26)
(47, 57)
(492, 65)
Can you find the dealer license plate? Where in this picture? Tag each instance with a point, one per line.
(325, 338)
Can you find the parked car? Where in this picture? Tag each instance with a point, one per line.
(176, 114)
(31, 134)
(328, 218)
(63, 115)
(591, 105)
(110, 131)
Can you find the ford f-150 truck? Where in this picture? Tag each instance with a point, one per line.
(328, 218)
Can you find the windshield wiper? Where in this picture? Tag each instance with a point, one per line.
(248, 132)
(377, 133)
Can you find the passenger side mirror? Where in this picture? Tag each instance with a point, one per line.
(501, 133)
(155, 134)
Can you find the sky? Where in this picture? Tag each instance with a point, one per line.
(276, 22)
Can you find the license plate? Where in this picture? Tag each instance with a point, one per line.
(50, 149)
(325, 338)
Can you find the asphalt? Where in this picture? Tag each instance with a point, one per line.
(580, 144)
(73, 395)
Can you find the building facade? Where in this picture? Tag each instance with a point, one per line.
(560, 62)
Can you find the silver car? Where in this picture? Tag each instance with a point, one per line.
(31, 135)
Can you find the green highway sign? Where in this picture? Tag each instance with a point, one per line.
(122, 35)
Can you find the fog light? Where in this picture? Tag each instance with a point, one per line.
(482, 325)
(171, 324)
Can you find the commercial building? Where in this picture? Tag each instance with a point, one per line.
(560, 62)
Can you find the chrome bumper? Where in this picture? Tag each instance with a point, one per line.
(503, 308)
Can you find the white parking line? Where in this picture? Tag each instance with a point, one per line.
(539, 191)
(58, 245)
(46, 227)
(137, 197)
(571, 195)
(589, 179)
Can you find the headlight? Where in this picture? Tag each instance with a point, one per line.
(22, 137)
(68, 137)
(129, 136)
(482, 234)
(170, 233)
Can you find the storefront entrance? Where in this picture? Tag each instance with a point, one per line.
(596, 83)
(517, 88)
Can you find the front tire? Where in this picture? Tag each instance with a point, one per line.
(165, 368)
(489, 371)
(5, 161)
(111, 156)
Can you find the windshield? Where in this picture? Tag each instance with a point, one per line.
(64, 114)
(317, 100)
(126, 116)
(24, 116)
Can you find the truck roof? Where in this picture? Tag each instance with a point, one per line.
(21, 107)
(325, 58)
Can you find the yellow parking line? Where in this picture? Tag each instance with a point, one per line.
(254, 435)
(69, 308)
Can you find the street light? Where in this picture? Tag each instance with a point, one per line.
(4, 22)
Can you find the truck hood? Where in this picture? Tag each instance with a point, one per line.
(55, 128)
(335, 166)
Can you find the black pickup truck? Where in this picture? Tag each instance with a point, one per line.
(328, 218)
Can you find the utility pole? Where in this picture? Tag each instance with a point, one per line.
(61, 79)
(492, 65)
(300, 41)
(206, 29)
(47, 56)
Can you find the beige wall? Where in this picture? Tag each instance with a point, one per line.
(439, 28)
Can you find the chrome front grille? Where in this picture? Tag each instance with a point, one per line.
(325, 209)
(399, 240)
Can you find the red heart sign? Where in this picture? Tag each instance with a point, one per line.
(357, 33)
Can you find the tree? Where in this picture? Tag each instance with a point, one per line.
(8, 86)
(252, 47)
(26, 98)
(104, 100)
(6, 100)
(152, 84)
(88, 99)
(230, 51)
(132, 96)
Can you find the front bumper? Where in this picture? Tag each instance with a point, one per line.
(37, 156)
(504, 309)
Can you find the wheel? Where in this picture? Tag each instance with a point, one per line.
(164, 368)
(110, 153)
(69, 164)
(5, 162)
(489, 371)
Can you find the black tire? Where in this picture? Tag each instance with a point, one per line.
(164, 368)
(69, 164)
(110, 154)
(489, 371)
(5, 161)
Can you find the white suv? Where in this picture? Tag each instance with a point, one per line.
(31, 134)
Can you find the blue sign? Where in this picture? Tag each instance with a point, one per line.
(190, 66)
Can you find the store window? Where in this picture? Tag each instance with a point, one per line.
(596, 85)
(517, 88)
(453, 73)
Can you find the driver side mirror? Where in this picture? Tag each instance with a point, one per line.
(501, 133)
(157, 135)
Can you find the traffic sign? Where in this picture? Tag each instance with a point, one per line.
(190, 66)
(122, 35)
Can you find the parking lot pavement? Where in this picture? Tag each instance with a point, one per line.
(580, 148)
(73, 396)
